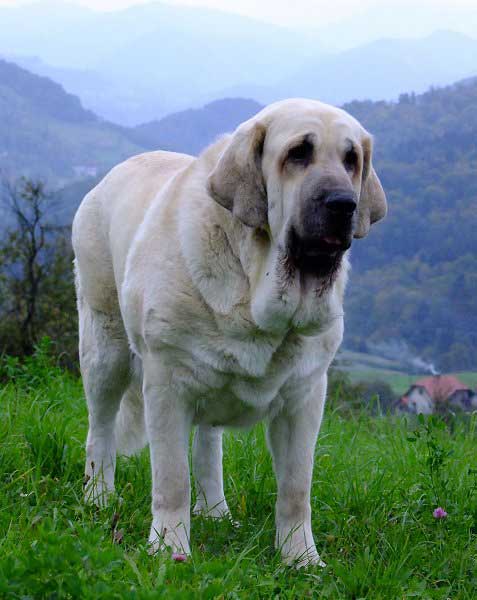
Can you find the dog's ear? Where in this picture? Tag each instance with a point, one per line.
(237, 181)
(372, 205)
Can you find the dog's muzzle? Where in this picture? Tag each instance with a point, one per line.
(323, 232)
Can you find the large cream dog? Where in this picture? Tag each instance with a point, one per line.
(210, 293)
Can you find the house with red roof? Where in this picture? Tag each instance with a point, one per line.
(438, 393)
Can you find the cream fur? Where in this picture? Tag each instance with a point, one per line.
(219, 338)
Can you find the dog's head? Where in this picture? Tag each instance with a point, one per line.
(302, 171)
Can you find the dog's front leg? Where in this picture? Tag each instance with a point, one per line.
(292, 436)
(207, 467)
(168, 425)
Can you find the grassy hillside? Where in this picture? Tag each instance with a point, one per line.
(45, 132)
(376, 484)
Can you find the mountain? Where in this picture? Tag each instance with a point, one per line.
(95, 90)
(46, 132)
(380, 70)
(158, 58)
(192, 130)
(161, 58)
(398, 19)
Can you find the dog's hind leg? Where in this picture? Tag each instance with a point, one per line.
(105, 367)
(207, 468)
(130, 427)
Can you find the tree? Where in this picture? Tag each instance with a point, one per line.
(36, 280)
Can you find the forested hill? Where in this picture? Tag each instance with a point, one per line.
(46, 132)
(415, 277)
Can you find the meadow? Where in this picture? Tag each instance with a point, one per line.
(362, 368)
(377, 481)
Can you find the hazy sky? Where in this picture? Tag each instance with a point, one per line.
(286, 12)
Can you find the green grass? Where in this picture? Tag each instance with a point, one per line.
(399, 382)
(376, 483)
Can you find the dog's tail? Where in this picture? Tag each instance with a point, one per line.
(130, 428)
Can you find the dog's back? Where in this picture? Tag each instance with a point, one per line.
(108, 218)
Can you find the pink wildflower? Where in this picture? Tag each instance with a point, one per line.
(439, 513)
(179, 557)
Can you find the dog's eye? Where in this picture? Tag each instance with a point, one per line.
(301, 154)
(350, 160)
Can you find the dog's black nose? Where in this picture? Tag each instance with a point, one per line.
(343, 203)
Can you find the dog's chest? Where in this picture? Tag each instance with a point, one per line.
(231, 371)
(238, 382)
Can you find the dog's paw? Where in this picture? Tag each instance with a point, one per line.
(298, 548)
(169, 539)
(308, 558)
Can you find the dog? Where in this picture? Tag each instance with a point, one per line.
(210, 293)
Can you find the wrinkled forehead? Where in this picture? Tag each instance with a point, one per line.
(288, 121)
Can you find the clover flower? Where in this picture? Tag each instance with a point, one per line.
(179, 557)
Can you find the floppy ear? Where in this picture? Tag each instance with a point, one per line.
(237, 181)
(372, 205)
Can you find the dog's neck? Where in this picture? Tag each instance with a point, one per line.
(281, 298)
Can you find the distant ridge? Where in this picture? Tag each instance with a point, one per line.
(159, 57)
(191, 130)
(43, 94)
(45, 132)
(381, 69)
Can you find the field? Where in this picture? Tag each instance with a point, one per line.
(376, 484)
(362, 367)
